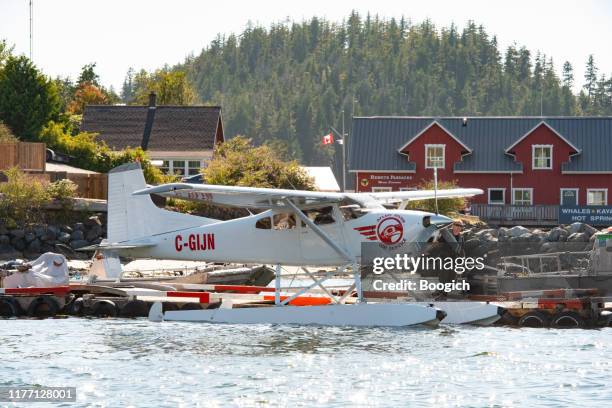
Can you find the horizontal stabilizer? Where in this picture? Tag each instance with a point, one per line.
(111, 247)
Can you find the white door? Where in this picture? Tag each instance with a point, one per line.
(314, 249)
(569, 196)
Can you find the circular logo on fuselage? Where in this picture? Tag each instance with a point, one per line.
(390, 230)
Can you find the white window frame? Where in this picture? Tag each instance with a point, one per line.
(530, 189)
(443, 146)
(381, 189)
(162, 165)
(605, 190)
(503, 189)
(185, 167)
(577, 190)
(175, 168)
(533, 157)
(407, 189)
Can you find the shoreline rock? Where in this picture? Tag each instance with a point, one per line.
(33, 240)
(516, 241)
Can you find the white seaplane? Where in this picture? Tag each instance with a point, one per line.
(299, 228)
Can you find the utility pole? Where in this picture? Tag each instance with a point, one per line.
(31, 30)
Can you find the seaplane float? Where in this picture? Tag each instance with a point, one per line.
(291, 228)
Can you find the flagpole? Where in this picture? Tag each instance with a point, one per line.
(341, 141)
(343, 156)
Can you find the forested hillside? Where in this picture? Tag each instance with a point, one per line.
(289, 83)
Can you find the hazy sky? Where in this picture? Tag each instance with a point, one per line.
(118, 34)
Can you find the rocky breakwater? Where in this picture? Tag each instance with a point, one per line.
(495, 243)
(32, 240)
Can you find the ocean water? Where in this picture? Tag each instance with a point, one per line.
(123, 363)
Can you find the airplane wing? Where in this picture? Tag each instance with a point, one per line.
(398, 196)
(265, 198)
(236, 196)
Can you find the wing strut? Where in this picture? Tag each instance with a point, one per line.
(320, 232)
(343, 252)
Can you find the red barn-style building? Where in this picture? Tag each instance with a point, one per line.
(521, 161)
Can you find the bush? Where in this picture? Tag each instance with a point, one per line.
(62, 190)
(238, 163)
(21, 198)
(152, 174)
(91, 154)
(446, 206)
(6, 136)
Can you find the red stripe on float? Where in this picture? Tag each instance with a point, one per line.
(304, 300)
(54, 290)
(242, 288)
(204, 297)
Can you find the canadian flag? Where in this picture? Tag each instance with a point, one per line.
(328, 139)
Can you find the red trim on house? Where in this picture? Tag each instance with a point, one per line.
(542, 123)
(426, 129)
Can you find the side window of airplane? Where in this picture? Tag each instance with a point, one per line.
(320, 216)
(350, 211)
(264, 223)
(284, 221)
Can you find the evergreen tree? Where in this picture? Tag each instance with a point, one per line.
(568, 75)
(568, 101)
(290, 82)
(28, 100)
(590, 76)
(89, 75)
(127, 90)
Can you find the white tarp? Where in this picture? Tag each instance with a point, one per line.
(47, 270)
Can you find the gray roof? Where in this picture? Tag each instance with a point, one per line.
(375, 141)
(172, 128)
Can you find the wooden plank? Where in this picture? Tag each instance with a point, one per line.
(8, 155)
(97, 186)
(81, 182)
(90, 185)
(25, 155)
(31, 156)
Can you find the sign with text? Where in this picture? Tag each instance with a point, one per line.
(591, 214)
(397, 180)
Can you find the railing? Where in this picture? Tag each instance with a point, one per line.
(517, 214)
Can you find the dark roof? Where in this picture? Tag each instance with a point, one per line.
(174, 128)
(375, 141)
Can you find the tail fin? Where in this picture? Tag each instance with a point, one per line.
(133, 217)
